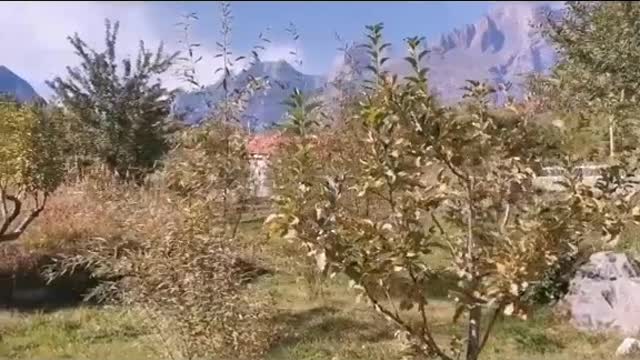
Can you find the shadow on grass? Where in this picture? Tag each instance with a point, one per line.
(327, 324)
(31, 293)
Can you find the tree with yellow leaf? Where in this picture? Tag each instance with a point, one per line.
(454, 184)
(31, 167)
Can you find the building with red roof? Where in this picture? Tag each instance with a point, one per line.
(261, 147)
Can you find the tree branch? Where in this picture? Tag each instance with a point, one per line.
(425, 340)
(3, 204)
(35, 212)
(8, 220)
(505, 219)
(435, 221)
(426, 328)
(492, 322)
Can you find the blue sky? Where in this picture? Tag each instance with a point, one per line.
(318, 21)
(33, 36)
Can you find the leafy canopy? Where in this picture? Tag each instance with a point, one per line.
(30, 164)
(120, 104)
(429, 182)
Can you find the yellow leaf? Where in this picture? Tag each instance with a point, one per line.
(508, 310)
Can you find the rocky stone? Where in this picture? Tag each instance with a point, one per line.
(604, 295)
(629, 347)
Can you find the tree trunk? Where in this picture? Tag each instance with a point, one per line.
(611, 144)
(475, 313)
(473, 344)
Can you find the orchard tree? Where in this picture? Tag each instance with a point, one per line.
(31, 167)
(599, 64)
(119, 104)
(440, 183)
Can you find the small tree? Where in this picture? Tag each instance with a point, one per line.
(30, 165)
(454, 184)
(189, 274)
(120, 107)
(211, 162)
(596, 75)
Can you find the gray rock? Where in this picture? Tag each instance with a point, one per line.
(605, 295)
(629, 347)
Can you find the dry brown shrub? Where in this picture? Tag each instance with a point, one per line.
(172, 258)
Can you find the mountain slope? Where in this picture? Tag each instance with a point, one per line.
(13, 85)
(265, 108)
(499, 48)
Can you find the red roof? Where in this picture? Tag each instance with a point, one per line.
(264, 144)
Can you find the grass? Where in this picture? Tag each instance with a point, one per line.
(332, 326)
(80, 333)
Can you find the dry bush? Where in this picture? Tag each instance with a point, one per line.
(195, 284)
(172, 252)
(74, 214)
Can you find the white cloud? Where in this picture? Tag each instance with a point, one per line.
(286, 52)
(553, 4)
(33, 37)
(34, 45)
(336, 65)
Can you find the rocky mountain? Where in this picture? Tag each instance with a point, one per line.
(13, 85)
(500, 48)
(265, 108)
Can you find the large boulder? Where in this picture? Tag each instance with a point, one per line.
(604, 295)
(630, 347)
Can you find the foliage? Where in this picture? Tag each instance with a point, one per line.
(183, 261)
(189, 281)
(211, 162)
(302, 115)
(231, 105)
(458, 181)
(305, 156)
(30, 165)
(296, 163)
(123, 109)
(596, 75)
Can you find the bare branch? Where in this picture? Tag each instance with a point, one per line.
(435, 221)
(19, 230)
(428, 340)
(492, 322)
(426, 332)
(3, 203)
(505, 219)
(8, 220)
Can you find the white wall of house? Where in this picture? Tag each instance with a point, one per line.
(259, 165)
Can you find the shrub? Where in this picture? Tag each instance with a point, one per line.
(181, 261)
(30, 166)
(440, 179)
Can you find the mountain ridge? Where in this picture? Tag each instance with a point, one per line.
(264, 107)
(498, 48)
(13, 85)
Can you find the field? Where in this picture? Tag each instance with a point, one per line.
(330, 325)
(332, 328)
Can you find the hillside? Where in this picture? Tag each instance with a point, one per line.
(500, 48)
(265, 107)
(14, 85)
